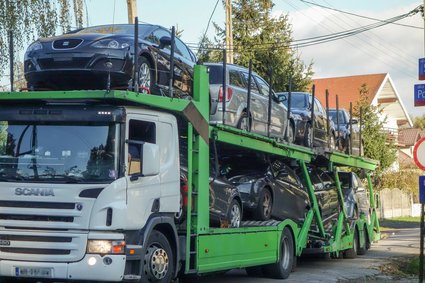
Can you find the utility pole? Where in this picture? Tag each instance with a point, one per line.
(132, 10)
(229, 32)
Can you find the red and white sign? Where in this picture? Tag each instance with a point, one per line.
(419, 153)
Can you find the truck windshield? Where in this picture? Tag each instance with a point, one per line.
(58, 152)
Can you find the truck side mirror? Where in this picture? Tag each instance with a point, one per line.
(150, 159)
(143, 159)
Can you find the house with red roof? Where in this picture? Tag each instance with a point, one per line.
(381, 92)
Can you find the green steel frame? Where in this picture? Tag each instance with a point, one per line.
(212, 249)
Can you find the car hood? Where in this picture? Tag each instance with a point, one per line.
(302, 112)
(89, 37)
(239, 179)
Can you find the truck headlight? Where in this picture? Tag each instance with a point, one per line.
(105, 247)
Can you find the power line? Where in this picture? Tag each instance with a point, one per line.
(208, 24)
(357, 15)
(298, 43)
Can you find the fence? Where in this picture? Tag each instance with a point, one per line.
(395, 203)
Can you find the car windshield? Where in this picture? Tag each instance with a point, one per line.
(144, 30)
(341, 117)
(58, 152)
(298, 101)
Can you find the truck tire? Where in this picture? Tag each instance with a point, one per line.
(363, 250)
(158, 262)
(265, 205)
(352, 252)
(282, 268)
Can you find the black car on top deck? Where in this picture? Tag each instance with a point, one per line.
(348, 132)
(86, 58)
(301, 103)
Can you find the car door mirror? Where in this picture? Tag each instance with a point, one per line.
(164, 41)
(282, 97)
(354, 121)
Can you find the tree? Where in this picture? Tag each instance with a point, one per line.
(419, 122)
(376, 143)
(265, 39)
(30, 19)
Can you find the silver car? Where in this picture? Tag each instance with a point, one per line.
(236, 113)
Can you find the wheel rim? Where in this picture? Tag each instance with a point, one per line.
(144, 75)
(245, 123)
(285, 254)
(235, 216)
(156, 263)
(291, 135)
(267, 203)
(309, 137)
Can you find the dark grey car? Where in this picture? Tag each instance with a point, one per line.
(269, 190)
(348, 131)
(356, 195)
(301, 103)
(236, 114)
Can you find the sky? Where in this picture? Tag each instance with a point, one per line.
(389, 49)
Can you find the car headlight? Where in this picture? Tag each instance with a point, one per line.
(34, 46)
(111, 44)
(105, 247)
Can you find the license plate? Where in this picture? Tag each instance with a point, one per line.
(33, 272)
(62, 59)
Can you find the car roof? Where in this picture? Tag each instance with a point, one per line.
(232, 66)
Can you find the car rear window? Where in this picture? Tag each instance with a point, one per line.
(216, 74)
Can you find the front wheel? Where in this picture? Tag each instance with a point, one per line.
(265, 205)
(145, 79)
(282, 268)
(158, 262)
(308, 136)
(234, 215)
(290, 135)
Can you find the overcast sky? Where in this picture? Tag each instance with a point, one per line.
(389, 49)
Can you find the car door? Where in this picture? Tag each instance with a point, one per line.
(162, 56)
(259, 117)
(319, 123)
(183, 74)
(291, 199)
(278, 110)
(329, 187)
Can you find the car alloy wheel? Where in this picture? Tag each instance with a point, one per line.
(145, 75)
(290, 135)
(235, 214)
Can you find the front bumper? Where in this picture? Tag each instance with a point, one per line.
(81, 270)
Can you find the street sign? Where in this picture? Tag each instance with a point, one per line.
(422, 189)
(420, 95)
(422, 69)
(419, 153)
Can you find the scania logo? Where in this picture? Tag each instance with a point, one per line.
(4, 243)
(34, 192)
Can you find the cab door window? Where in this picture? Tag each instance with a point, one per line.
(138, 133)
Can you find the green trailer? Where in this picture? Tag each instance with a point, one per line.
(201, 249)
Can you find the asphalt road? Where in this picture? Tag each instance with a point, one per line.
(399, 243)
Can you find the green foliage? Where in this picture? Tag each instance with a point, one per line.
(377, 145)
(30, 19)
(419, 122)
(265, 39)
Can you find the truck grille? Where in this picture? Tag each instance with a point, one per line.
(42, 246)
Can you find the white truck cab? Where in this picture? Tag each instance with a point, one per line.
(76, 204)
